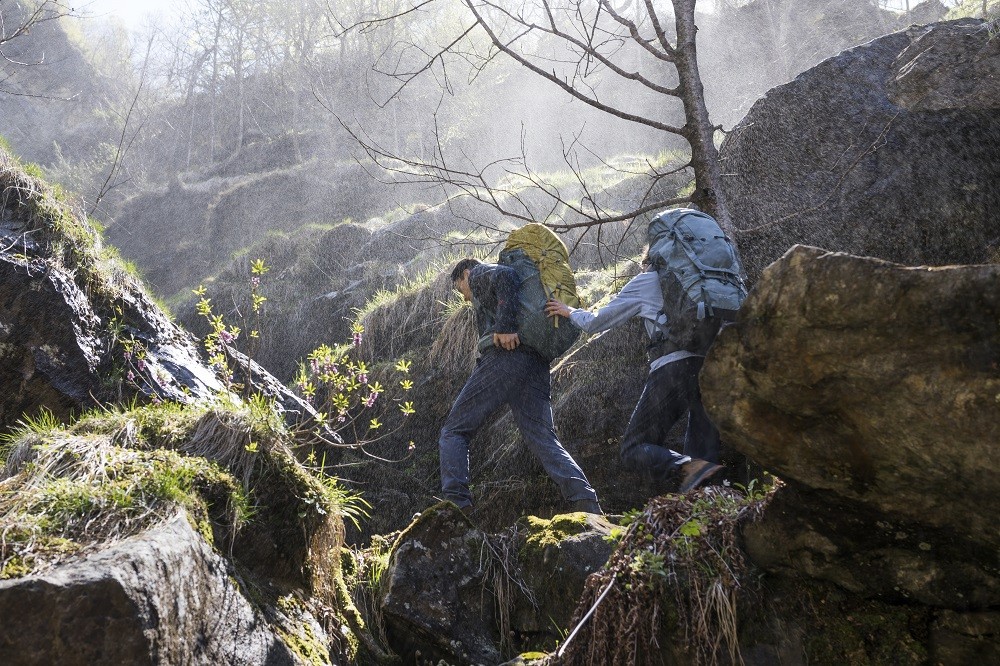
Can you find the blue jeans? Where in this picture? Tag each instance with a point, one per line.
(520, 379)
(670, 391)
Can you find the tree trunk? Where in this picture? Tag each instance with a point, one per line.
(699, 131)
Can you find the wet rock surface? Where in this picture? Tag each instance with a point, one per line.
(887, 150)
(957, 68)
(162, 597)
(451, 589)
(65, 348)
(433, 593)
(871, 389)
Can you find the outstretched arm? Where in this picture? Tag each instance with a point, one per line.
(555, 307)
(623, 306)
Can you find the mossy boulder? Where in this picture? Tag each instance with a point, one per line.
(250, 533)
(76, 327)
(555, 557)
(435, 596)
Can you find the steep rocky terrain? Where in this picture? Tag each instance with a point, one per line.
(886, 150)
(878, 544)
(169, 532)
(171, 521)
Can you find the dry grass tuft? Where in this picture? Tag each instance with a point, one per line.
(64, 493)
(454, 348)
(676, 574)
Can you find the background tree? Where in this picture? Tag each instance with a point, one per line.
(631, 60)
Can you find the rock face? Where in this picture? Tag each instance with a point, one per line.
(433, 592)
(888, 150)
(872, 390)
(555, 558)
(751, 47)
(451, 589)
(77, 330)
(949, 69)
(162, 597)
(74, 331)
(51, 357)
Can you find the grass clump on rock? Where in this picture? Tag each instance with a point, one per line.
(673, 581)
(115, 472)
(65, 490)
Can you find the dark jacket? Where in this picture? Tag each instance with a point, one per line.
(494, 295)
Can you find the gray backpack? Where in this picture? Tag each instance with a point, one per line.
(700, 277)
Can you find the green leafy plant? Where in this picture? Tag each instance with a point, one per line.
(354, 407)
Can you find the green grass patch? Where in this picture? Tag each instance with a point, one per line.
(114, 472)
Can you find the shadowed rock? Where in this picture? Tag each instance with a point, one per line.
(433, 598)
(71, 338)
(890, 150)
(450, 589)
(872, 390)
(556, 556)
(162, 597)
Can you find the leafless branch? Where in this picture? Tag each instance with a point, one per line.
(552, 76)
(588, 48)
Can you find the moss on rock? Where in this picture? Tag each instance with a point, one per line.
(542, 534)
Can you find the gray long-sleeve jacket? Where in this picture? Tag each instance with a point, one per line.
(641, 297)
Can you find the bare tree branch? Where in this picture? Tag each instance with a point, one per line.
(587, 48)
(562, 83)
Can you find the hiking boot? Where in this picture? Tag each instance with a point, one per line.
(698, 473)
(588, 506)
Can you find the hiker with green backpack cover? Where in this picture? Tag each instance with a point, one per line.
(517, 342)
(690, 287)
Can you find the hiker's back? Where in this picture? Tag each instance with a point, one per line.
(700, 276)
(541, 261)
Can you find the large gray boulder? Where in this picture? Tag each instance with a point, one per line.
(435, 598)
(161, 597)
(62, 348)
(457, 593)
(872, 390)
(891, 150)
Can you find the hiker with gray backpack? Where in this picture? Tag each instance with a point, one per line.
(691, 286)
(517, 342)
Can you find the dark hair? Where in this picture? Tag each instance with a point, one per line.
(465, 264)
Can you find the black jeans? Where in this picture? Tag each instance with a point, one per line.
(670, 391)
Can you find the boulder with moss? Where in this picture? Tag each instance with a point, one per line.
(171, 534)
(871, 389)
(76, 327)
(454, 592)
(555, 556)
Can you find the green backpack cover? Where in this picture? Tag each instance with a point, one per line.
(541, 261)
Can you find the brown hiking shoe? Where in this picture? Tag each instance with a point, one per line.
(698, 473)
